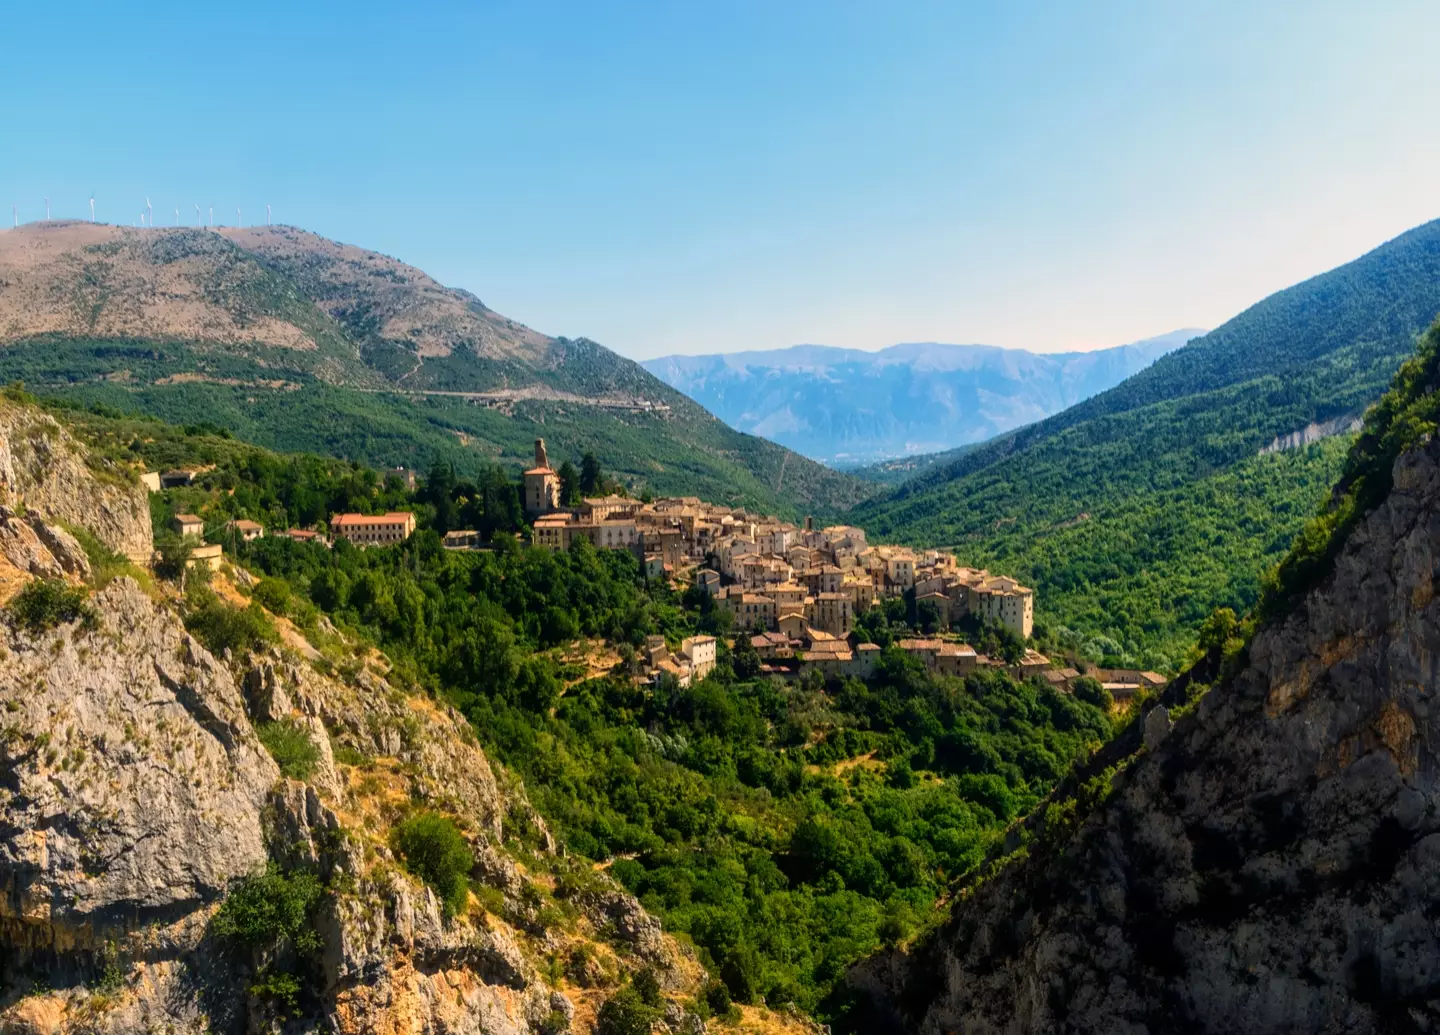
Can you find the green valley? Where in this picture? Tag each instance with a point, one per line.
(787, 829)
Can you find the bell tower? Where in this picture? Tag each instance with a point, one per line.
(542, 485)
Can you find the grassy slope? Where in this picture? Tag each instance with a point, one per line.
(1321, 349)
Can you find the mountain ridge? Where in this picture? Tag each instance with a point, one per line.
(1258, 852)
(308, 344)
(1154, 463)
(846, 406)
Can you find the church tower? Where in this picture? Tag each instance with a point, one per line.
(542, 485)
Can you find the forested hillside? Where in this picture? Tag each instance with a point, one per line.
(301, 343)
(1100, 504)
(789, 830)
(1255, 860)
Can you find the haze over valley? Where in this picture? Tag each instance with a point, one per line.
(848, 407)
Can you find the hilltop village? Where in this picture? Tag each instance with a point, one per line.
(794, 591)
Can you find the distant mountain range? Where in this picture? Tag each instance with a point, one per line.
(848, 407)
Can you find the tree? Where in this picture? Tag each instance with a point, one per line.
(626, 1013)
(569, 485)
(439, 492)
(435, 851)
(744, 658)
(1092, 691)
(591, 478)
(1216, 630)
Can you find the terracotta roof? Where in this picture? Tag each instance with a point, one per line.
(395, 517)
(245, 524)
(540, 470)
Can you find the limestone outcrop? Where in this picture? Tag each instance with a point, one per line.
(48, 473)
(1271, 863)
(137, 794)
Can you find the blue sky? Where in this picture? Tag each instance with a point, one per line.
(693, 177)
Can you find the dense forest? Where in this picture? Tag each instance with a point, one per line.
(786, 829)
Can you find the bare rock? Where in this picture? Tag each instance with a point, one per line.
(133, 782)
(1157, 726)
(24, 549)
(266, 693)
(1272, 865)
(44, 468)
(64, 547)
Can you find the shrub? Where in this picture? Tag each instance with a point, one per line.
(46, 603)
(434, 850)
(274, 595)
(717, 997)
(269, 913)
(741, 974)
(346, 755)
(291, 747)
(271, 909)
(647, 986)
(625, 1013)
(221, 627)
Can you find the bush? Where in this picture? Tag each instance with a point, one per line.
(291, 747)
(434, 850)
(270, 910)
(221, 627)
(647, 986)
(625, 1013)
(717, 997)
(46, 603)
(273, 595)
(741, 974)
(271, 914)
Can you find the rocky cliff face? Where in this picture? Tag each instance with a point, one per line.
(45, 471)
(136, 795)
(1270, 864)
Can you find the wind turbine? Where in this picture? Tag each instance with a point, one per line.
(92, 206)
(177, 217)
(212, 217)
(267, 215)
(198, 220)
(15, 211)
(149, 213)
(47, 210)
(237, 216)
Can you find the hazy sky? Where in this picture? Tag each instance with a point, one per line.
(705, 176)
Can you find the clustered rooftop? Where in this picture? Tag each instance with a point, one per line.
(775, 576)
